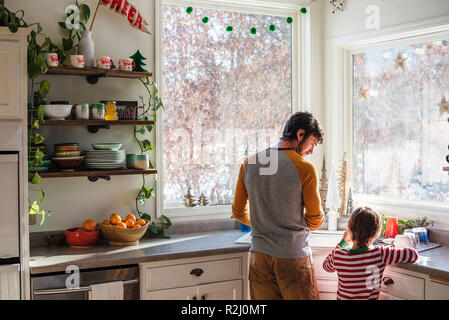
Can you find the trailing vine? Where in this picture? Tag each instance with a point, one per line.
(145, 193)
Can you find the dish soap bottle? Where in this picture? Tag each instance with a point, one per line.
(111, 111)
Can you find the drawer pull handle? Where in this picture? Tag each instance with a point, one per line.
(387, 281)
(203, 297)
(194, 298)
(197, 272)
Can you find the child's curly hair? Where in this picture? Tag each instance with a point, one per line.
(365, 224)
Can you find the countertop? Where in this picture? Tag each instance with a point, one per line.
(56, 259)
(47, 260)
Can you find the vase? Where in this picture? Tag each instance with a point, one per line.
(86, 47)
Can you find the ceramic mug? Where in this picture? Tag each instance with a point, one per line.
(52, 59)
(130, 158)
(126, 64)
(141, 162)
(77, 61)
(82, 111)
(105, 62)
(97, 111)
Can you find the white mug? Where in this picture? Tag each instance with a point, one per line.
(403, 241)
(77, 61)
(82, 111)
(104, 63)
(52, 59)
(126, 64)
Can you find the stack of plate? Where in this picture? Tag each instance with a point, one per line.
(105, 159)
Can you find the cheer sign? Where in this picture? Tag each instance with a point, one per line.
(129, 11)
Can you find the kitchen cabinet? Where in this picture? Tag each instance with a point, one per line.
(203, 278)
(14, 253)
(327, 282)
(438, 289)
(409, 285)
(9, 81)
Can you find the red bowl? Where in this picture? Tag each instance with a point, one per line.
(78, 237)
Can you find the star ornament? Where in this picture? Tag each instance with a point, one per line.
(400, 61)
(363, 93)
(444, 105)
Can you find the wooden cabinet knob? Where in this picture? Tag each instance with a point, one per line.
(197, 272)
(387, 281)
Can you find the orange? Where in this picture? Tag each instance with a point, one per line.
(106, 221)
(89, 225)
(131, 217)
(137, 226)
(129, 223)
(115, 218)
(141, 222)
(121, 225)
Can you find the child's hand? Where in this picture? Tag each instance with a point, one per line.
(347, 236)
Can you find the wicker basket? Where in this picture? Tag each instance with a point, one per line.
(122, 236)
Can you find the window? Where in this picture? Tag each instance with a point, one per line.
(227, 90)
(400, 129)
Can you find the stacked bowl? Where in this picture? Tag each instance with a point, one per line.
(67, 156)
(105, 156)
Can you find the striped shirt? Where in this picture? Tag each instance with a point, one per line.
(360, 271)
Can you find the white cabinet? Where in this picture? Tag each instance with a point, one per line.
(327, 281)
(204, 278)
(438, 289)
(10, 282)
(405, 285)
(13, 71)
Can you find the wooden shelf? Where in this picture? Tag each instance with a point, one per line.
(93, 74)
(445, 168)
(96, 122)
(91, 173)
(94, 125)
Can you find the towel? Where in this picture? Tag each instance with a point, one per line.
(107, 291)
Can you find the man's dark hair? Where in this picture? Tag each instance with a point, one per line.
(305, 121)
(364, 224)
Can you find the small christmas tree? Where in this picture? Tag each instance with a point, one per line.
(323, 185)
(189, 200)
(343, 182)
(202, 201)
(349, 203)
(138, 60)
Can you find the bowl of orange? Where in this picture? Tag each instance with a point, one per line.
(85, 236)
(123, 232)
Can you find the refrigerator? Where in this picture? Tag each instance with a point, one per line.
(9, 226)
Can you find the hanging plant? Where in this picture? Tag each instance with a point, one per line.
(145, 193)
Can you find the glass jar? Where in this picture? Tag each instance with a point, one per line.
(111, 111)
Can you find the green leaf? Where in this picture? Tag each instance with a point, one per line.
(44, 88)
(42, 194)
(149, 128)
(36, 124)
(142, 130)
(34, 208)
(153, 228)
(165, 233)
(67, 44)
(142, 202)
(43, 218)
(40, 113)
(165, 220)
(84, 12)
(62, 25)
(46, 42)
(38, 139)
(36, 178)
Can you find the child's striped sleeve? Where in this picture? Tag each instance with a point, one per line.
(328, 263)
(398, 255)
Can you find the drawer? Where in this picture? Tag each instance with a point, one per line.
(320, 273)
(179, 275)
(404, 286)
(438, 290)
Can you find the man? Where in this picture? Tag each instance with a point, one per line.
(281, 264)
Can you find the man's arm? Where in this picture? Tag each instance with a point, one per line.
(312, 202)
(240, 206)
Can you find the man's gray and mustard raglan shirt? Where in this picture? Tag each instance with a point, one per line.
(285, 204)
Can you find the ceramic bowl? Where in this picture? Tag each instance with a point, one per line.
(68, 163)
(140, 162)
(66, 148)
(77, 237)
(63, 154)
(130, 158)
(57, 111)
(107, 146)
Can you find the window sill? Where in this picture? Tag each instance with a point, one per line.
(198, 213)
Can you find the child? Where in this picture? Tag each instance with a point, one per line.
(360, 269)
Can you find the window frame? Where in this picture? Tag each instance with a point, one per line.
(339, 104)
(301, 80)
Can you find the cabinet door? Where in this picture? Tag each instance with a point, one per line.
(438, 291)
(386, 296)
(226, 290)
(185, 293)
(9, 80)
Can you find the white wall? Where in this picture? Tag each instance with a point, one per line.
(73, 200)
(392, 12)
